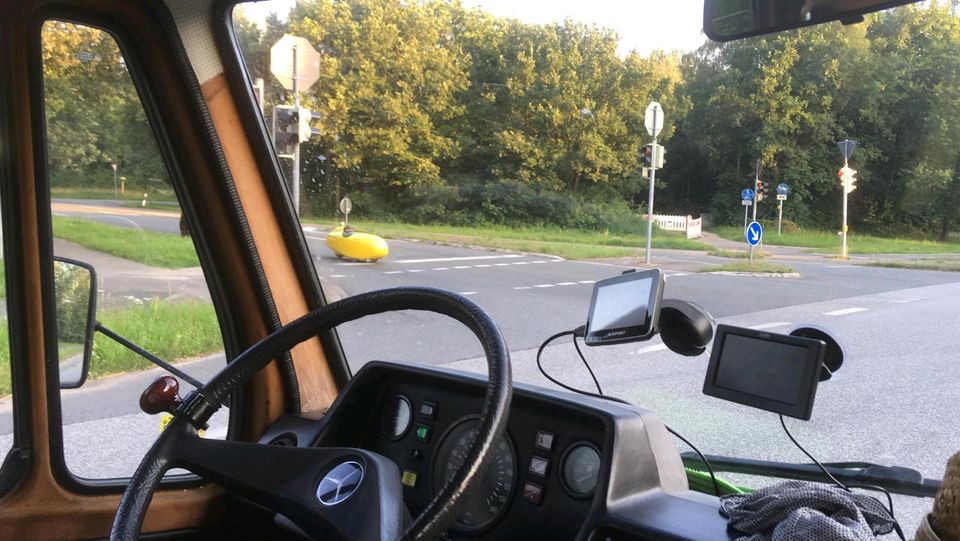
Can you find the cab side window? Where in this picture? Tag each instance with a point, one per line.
(113, 208)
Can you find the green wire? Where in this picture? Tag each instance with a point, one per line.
(701, 482)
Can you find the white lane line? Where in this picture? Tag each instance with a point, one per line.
(541, 261)
(650, 349)
(768, 325)
(481, 266)
(440, 268)
(337, 275)
(904, 301)
(393, 272)
(309, 229)
(467, 258)
(466, 293)
(588, 281)
(523, 287)
(416, 270)
(678, 274)
(463, 267)
(501, 264)
(545, 285)
(845, 311)
(521, 263)
(566, 283)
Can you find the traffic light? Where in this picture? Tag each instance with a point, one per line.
(761, 189)
(848, 178)
(646, 156)
(286, 129)
(661, 155)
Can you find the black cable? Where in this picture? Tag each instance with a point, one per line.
(896, 524)
(574, 333)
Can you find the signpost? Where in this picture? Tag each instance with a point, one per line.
(296, 64)
(782, 191)
(345, 207)
(754, 236)
(653, 121)
(847, 147)
(746, 197)
(115, 187)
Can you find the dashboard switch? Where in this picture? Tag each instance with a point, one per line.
(539, 465)
(409, 478)
(533, 493)
(545, 440)
(428, 411)
(423, 433)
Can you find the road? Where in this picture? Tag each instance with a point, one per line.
(889, 403)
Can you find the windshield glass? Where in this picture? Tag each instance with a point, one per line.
(497, 149)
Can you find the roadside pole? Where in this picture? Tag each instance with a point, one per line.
(756, 202)
(295, 176)
(782, 191)
(653, 121)
(847, 181)
(116, 194)
(746, 199)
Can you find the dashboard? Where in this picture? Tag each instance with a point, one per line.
(567, 466)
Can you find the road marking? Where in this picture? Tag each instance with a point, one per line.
(465, 293)
(566, 283)
(394, 272)
(337, 276)
(309, 229)
(463, 267)
(416, 270)
(522, 263)
(543, 261)
(440, 268)
(588, 281)
(481, 266)
(904, 301)
(650, 349)
(545, 285)
(768, 325)
(468, 258)
(501, 264)
(845, 311)
(523, 287)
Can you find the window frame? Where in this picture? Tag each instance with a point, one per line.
(152, 110)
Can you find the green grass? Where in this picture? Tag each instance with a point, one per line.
(567, 243)
(152, 248)
(737, 254)
(746, 266)
(171, 330)
(829, 242)
(131, 194)
(935, 264)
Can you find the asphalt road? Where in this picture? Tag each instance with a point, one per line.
(889, 404)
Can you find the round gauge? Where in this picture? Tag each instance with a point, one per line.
(482, 506)
(397, 417)
(581, 469)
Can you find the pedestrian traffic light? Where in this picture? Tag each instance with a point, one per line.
(286, 129)
(761, 189)
(646, 156)
(848, 178)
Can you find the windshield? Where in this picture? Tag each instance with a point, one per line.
(496, 149)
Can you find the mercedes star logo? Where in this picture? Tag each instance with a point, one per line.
(340, 483)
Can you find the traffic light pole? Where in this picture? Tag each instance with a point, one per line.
(653, 179)
(756, 201)
(295, 175)
(843, 234)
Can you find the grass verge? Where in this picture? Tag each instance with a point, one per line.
(935, 264)
(745, 266)
(829, 242)
(172, 331)
(152, 248)
(566, 243)
(737, 254)
(94, 193)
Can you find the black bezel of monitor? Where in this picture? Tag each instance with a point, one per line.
(635, 333)
(802, 408)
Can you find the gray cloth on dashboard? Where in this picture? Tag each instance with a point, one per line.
(798, 510)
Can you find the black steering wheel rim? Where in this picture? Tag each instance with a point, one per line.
(197, 408)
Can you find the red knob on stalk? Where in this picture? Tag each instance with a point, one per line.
(161, 395)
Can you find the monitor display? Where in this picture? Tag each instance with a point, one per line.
(769, 371)
(624, 308)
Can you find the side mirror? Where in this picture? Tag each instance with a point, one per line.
(75, 287)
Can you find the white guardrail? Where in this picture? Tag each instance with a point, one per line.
(693, 227)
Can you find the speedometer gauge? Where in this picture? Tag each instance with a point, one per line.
(581, 469)
(484, 505)
(397, 417)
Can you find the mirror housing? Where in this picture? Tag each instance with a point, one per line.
(75, 290)
(728, 20)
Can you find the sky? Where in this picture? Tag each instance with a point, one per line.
(643, 25)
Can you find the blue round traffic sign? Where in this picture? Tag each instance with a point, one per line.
(747, 195)
(783, 189)
(754, 233)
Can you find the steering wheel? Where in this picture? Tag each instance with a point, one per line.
(329, 492)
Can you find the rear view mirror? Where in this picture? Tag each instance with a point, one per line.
(75, 287)
(726, 20)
